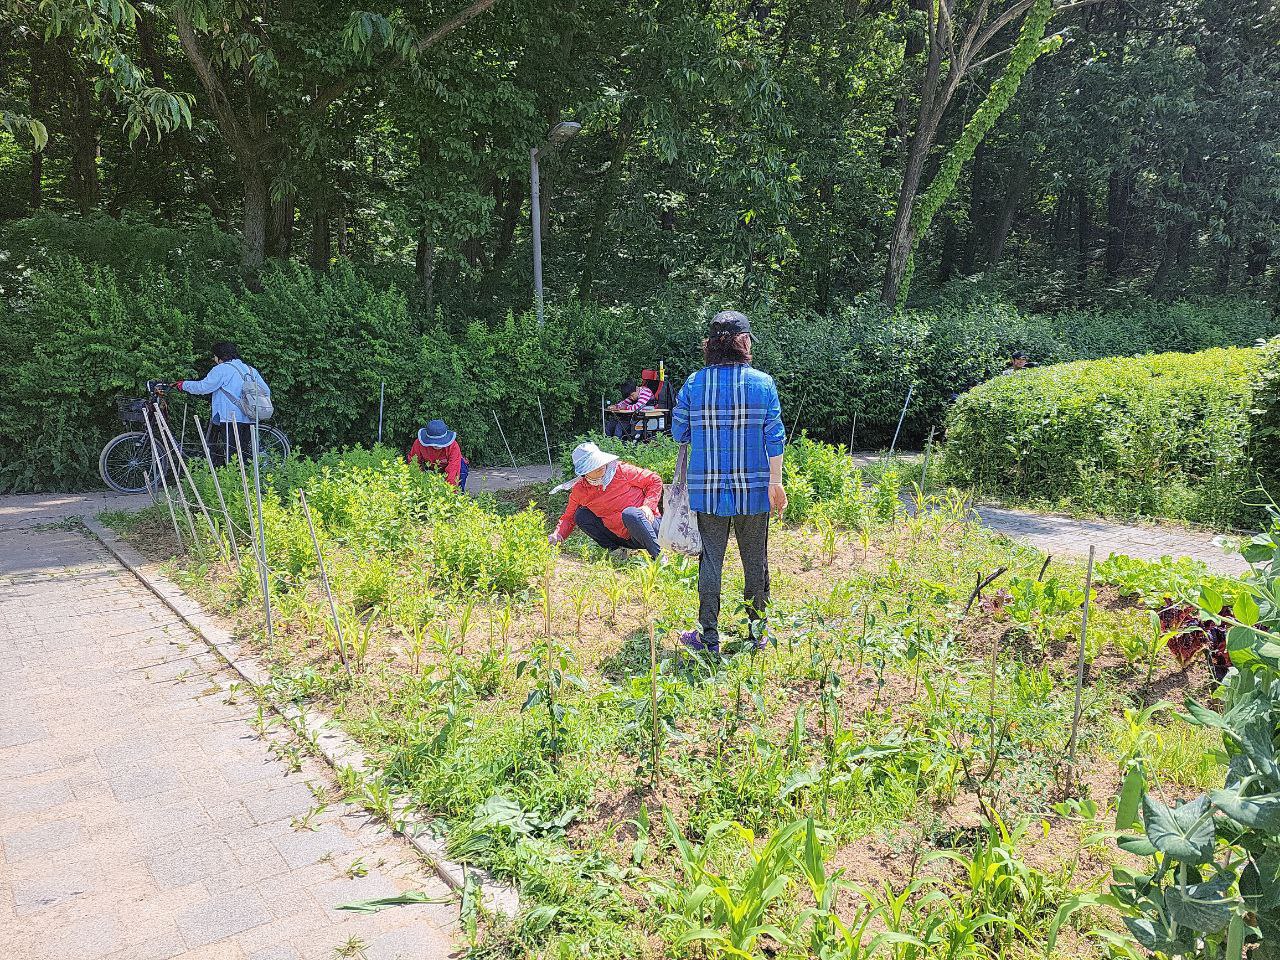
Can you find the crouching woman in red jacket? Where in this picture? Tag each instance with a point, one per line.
(614, 503)
(436, 448)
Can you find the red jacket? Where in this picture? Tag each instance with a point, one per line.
(447, 459)
(631, 486)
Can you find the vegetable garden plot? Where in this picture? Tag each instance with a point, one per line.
(887, 780)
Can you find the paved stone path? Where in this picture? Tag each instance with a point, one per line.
(141, 818)
(1066, 535)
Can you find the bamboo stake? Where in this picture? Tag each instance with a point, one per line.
(177, 480)
(545, 437)
(158, 466)
(186, 471)
(217, 486)
(262, 535)
(603, 428)
(853, 429)
(1084, 631)
(324, 579)
(504, 438)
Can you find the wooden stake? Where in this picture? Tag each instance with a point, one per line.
(1084, 633)
(217, 486)
(324, 579)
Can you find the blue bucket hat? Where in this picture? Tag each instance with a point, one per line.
(436, 434)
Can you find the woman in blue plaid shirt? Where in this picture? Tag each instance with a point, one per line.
(730, 415)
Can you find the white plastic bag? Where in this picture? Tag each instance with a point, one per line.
(678, 529)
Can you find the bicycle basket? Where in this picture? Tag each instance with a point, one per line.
(131, 411)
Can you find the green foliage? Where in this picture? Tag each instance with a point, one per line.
(1264, 428)
(1162, 435)
(1211, 889)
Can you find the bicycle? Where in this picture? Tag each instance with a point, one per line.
(126, 464)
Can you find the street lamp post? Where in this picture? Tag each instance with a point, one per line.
(555, 136)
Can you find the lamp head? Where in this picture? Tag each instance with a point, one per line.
(562, 131)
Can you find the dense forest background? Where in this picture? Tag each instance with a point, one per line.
(1075, 179)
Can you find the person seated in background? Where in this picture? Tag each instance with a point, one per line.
(436, 448)
(1017, 361)
(614, 503)
(622, 425)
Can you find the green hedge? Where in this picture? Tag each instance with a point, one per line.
(1164, 435)
(1264, 434)
(88, 314)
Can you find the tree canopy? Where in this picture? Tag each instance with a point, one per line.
(807, 152)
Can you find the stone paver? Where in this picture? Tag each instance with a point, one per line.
(140, 816)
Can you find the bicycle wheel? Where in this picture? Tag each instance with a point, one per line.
(273, 448)
(125, 462)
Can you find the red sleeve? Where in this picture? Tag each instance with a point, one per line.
(453, 465)
(567, 523)
(416, 453)
(651, 484)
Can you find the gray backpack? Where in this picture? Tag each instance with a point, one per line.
(255, 396)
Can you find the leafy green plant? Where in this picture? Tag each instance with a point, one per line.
(551, 666)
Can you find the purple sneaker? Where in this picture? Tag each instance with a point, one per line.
(694, 641)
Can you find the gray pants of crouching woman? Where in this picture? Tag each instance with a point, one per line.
(752, 533)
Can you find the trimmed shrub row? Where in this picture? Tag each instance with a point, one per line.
(1165, 435)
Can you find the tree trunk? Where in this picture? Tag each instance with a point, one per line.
(1259, 255)
(254, 218)
(903, 238)
(1173, 253)
(321, 236)
(1227, 246)
(606, 197)
(1083, 230)
(977, 208)
(947, 259)
(1119, 185)
(280, 237)
(822, 282)
(344, 238)
(425, 267)
(84, 142)
(898, 136)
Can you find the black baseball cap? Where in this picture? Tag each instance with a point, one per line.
(728, 323)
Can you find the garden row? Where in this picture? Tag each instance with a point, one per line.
(891, 779)
(1186, 436)
(91, 317)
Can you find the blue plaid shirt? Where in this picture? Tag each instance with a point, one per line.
(731, 416)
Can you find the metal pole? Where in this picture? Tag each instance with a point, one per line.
(217, 486)
(799, 410)
(177, 478)
(536, 209)
(382, 396)
(157, 465)
(902, 416)
(262, 535)
(1084, 631)
(603, 428)
(547, 439)
(852, 430)
(504, 438)
(186, 471)
(324, 579)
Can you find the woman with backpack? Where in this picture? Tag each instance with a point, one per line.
(240, 396)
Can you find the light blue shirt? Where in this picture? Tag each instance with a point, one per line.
(225, 381)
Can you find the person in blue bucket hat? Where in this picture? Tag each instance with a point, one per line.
(436, 448)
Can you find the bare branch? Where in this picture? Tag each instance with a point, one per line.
(945, 28)
(974, 26)
(999, 23)
(328, 94)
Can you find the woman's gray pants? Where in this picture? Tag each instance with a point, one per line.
(752, 533)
